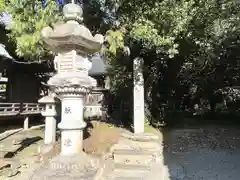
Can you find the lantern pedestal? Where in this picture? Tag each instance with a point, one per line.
(72, 125)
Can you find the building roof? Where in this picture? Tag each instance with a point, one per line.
(4, 53)
(5, 19)
(98, 65)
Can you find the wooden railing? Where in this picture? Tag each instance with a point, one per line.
(14, 109)
(9, 109)
(31, 108)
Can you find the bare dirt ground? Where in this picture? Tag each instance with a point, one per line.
(202, 153)
(99, 137)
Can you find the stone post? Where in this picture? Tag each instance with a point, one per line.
(138, 96)
(72, 42)
(26, 123)
(50, 121)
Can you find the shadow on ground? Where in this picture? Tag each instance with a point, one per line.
(9, 123)
(24, 144)
(204, 151)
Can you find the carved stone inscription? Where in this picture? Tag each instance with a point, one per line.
(66, 62)
(67, 110)
(67, 142)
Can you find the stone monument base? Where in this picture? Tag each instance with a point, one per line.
(76, 167)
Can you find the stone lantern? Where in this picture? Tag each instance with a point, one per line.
(72, 42)
(50, 121)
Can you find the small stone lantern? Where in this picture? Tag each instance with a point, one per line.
(50, 121)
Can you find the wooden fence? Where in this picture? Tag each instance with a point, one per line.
(18, 109)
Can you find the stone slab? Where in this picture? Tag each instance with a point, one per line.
(140, 136)
(129, 172)
(126, 176)
(137, 145)
(133, 157)
(133, 152)
(75, 167)
(130, 167)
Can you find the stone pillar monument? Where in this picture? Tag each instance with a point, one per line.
(138, 96)
(72, 42)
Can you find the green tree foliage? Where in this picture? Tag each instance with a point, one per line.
(29, 17)
(189, 48)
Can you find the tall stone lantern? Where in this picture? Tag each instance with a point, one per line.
(72, 42)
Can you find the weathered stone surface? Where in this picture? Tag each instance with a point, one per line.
(127, 168)
(140, 136)
(79, 166)
(131, 175)
(135, 160)
(152, 146)
(134, 157)
(45, 148)
(129, 172)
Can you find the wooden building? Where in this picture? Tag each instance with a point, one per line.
(20, 82)
(23, 80)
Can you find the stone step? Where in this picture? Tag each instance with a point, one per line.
(142, 137)
(127, 144)
(123, 177)
(129, 172)
(131, 167)
(127, 156)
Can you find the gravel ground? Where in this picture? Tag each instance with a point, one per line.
(202, 153)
